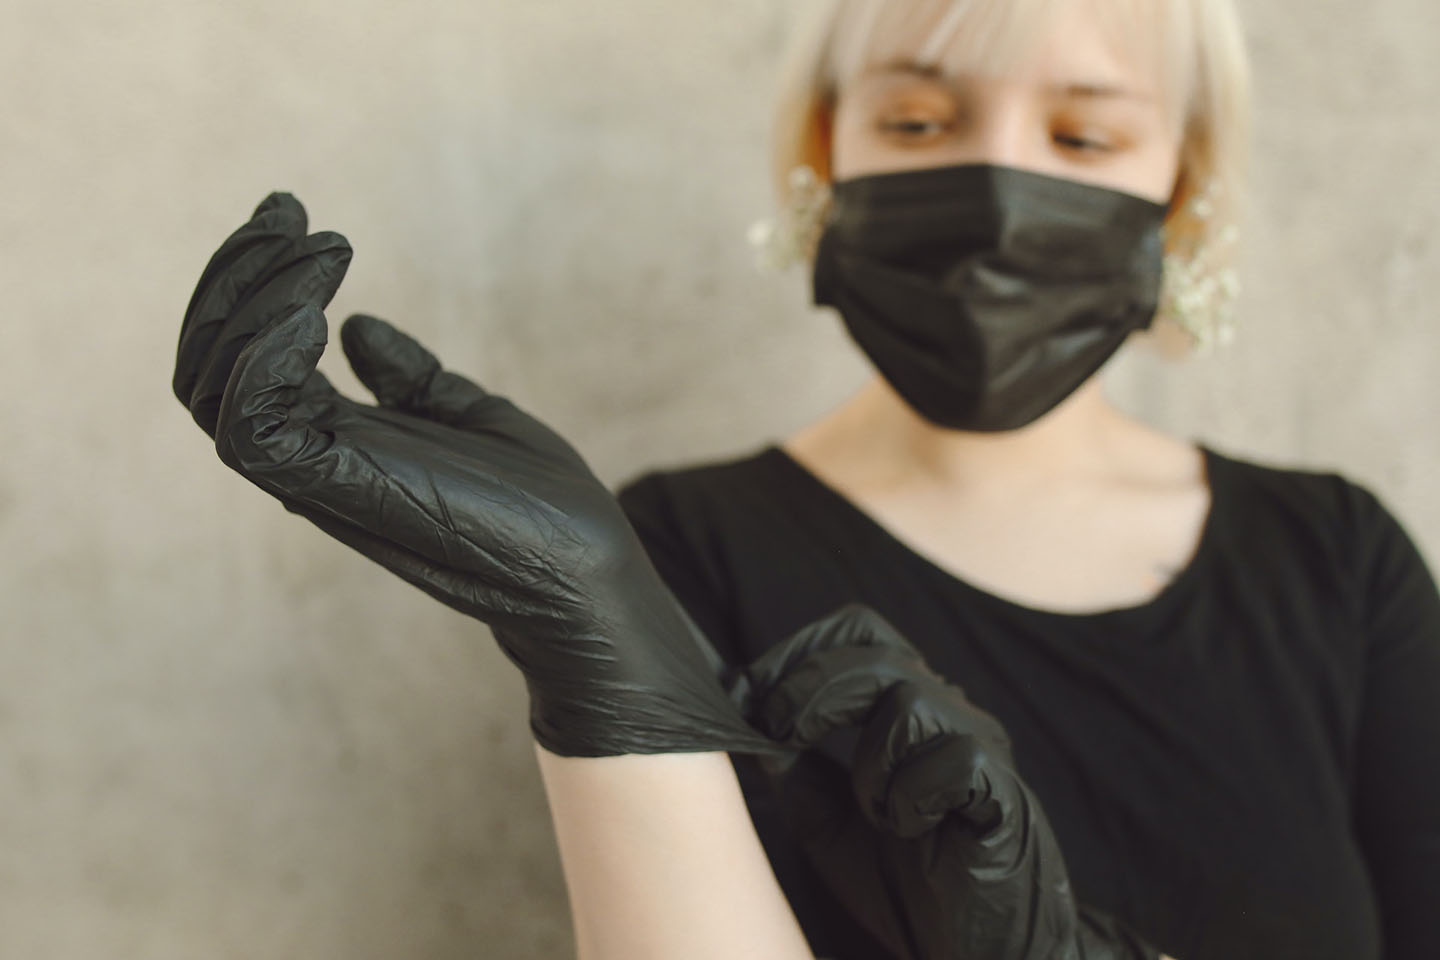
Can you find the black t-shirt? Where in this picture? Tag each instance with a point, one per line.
(1245, 766)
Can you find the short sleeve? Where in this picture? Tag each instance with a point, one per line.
(673, 536)
(1397, 803)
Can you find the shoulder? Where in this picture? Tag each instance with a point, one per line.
(1324, 498)
(1326, 515)
(703, 514)
(697, 493)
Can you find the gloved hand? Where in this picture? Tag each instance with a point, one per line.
(452, 488)
(920, 824)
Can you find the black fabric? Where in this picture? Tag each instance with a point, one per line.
(1246, 766)
(987, 294)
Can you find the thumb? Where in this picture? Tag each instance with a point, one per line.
(391, 364)
(404, 375)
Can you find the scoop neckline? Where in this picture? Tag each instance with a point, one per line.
(1182, 582)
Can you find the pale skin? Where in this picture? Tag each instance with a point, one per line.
(1086, 509)
(661, 860)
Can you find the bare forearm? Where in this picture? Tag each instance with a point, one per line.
(661, 860)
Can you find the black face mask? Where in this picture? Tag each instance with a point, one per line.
(986, 295)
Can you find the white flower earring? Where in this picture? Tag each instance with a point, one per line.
(791, 237)
(1200, 287)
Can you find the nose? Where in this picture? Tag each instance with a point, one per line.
(1005, 131)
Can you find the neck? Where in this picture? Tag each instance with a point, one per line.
(878, 429)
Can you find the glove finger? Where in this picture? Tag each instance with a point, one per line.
(255, 432)
(274, 431)
(317, 390)
(832, 689)
(230, 278)
(309, 273)
(403, 374)
(922, 756)
(849, 627)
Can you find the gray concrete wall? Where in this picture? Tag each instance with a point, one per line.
(223, 736)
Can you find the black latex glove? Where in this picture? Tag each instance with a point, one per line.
(909, 805)
(452, 488)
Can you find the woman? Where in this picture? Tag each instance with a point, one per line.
(1220, 752)
(1218, 676)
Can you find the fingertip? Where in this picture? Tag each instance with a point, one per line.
(331, 250)
(864, 625)
(359, 336)
(362, 335)
(334, 258)
(393, 365)
(286, 206)
(330, 240)
(361, 328)
(277, 199)
(287, 348)
(312, 269)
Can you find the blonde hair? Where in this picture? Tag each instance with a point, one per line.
(1199, 57)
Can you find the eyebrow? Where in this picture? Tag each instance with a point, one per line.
(1095, 91)
(1076, 90)
(906, 65)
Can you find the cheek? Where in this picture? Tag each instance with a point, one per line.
(1146, 165)
(1155, 170)
(853, 146)
(1159, 160)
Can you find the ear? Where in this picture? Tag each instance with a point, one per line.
(1182, 231)
(820, 139)
(1180, 194)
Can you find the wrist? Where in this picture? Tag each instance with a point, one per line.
(660, 857)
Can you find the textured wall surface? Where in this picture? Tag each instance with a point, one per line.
(222, 736)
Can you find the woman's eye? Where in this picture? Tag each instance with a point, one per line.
(1085, 144)
(914, 126)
